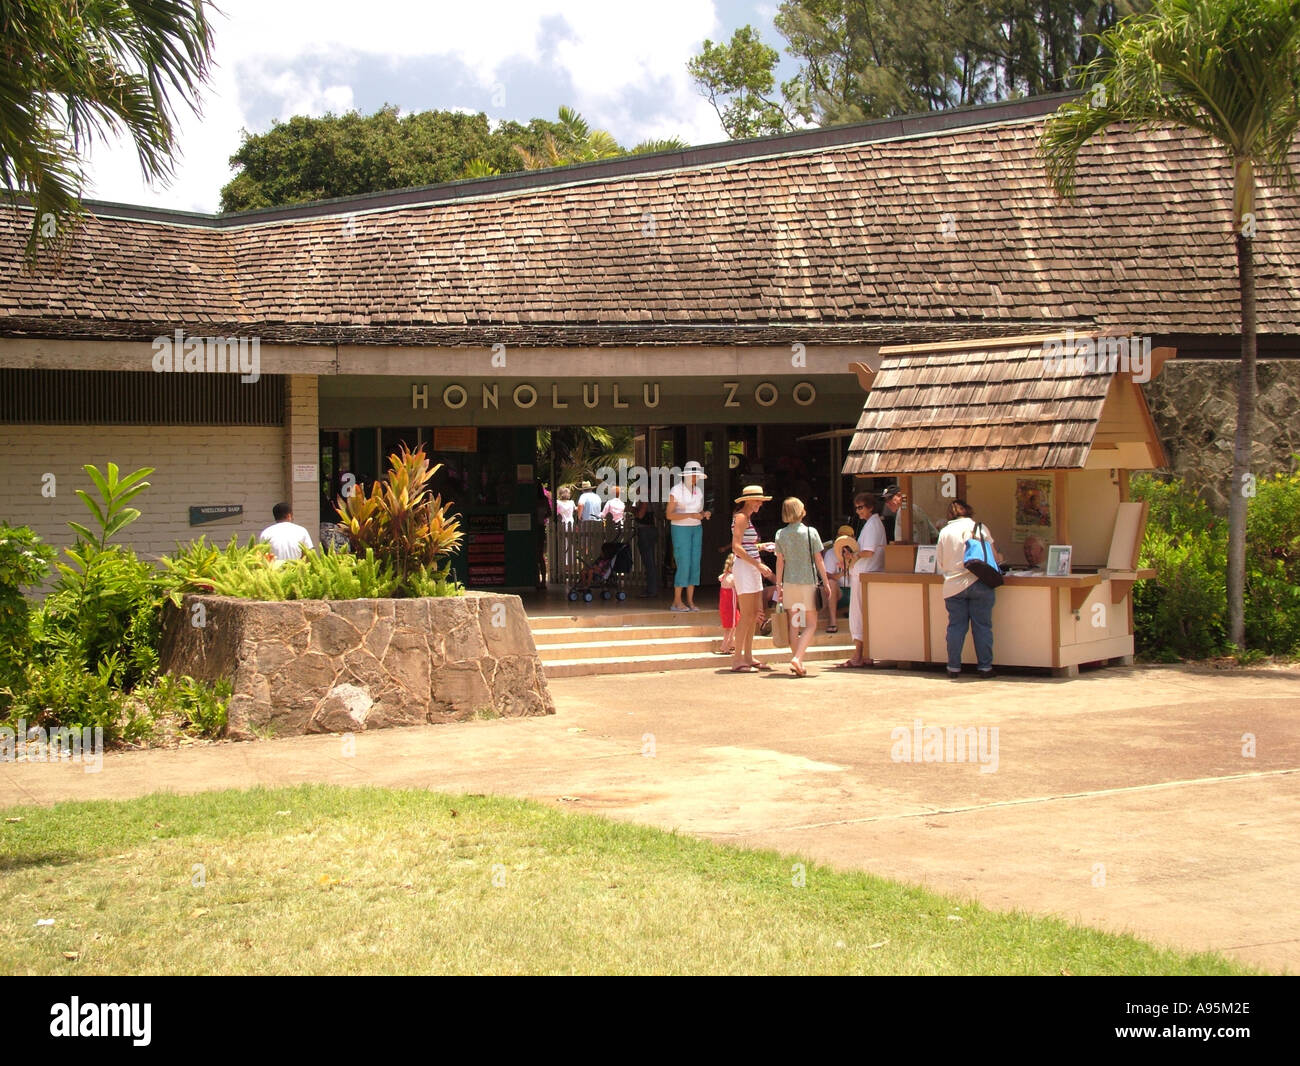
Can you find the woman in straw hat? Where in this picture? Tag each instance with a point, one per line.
(685, 514)
(749, 571)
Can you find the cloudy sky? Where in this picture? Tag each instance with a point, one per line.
(622, 65)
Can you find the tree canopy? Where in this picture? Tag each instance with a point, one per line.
(863, 59)
(346, 155)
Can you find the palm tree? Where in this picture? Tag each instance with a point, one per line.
(660, 144)
(579, 451)
(1230, 69)
(70, 72)
(577, 143)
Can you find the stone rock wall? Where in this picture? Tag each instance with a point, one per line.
(322, 666)
(1194, 405)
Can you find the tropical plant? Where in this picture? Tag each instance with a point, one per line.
(70, 72)
(401, 521)
(1231, 70)
(105, 606)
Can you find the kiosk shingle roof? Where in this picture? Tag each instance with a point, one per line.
(951, 234)
(977, 409)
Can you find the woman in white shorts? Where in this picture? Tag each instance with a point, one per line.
(749, 571)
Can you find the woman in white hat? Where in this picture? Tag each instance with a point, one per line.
(685, 514)
(749, 571)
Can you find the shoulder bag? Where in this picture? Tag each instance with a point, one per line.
(979, 558)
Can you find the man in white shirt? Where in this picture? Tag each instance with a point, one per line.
(588, 504)
(968, 600)
(287, 540)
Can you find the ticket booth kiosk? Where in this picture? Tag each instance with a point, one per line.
(1038, 435)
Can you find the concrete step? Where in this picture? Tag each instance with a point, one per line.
(593, 617)
(619, 643)
(778, 657)
(603, 634)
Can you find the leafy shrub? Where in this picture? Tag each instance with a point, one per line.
(401, 521)
(62, 692)
(1273, 566)
(24, 561)
(1182, 613)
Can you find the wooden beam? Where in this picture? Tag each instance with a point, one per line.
(866, 376)
(1160, 356)
(905, 534)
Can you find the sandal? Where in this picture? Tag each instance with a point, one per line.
(831, 629)
(797, 669)
(743, 670)
(850, 664)
(757, 665)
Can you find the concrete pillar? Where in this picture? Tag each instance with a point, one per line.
(302, 450)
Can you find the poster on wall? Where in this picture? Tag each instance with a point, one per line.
(1033, 507)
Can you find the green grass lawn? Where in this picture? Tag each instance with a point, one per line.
(319, 880)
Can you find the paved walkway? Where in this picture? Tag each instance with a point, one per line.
(1121, 799)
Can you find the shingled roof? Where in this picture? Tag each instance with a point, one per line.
(962, 409)
(890, 239)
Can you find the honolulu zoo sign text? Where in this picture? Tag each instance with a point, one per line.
(594, 394)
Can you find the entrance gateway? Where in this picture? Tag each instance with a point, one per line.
(744, 428)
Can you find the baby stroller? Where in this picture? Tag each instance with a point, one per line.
(604, 573)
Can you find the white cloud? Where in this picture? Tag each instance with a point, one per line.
(612, 52)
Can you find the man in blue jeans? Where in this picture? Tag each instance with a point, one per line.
(969, 601)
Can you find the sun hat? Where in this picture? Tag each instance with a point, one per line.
(586, 484)
(752, 492)
(693, 469)
(844, 531)
(845, 540)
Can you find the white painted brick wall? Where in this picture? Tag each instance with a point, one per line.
(194, 465)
